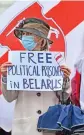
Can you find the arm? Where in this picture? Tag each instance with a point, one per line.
(66, 84)
(9, 95)
(66, 91)
(66, 87)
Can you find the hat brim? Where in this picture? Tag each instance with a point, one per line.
(18, 33)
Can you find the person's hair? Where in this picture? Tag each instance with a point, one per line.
(45, 45)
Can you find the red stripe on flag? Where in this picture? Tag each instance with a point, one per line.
(0, 92)
(68, 14)
(58, 57)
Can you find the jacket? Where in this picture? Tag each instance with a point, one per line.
(29, 106)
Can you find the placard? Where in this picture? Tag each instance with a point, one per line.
(34, 71)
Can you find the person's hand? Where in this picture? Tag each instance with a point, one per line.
(3, 68)
(66, 71)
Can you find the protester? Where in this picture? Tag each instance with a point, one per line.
(29, 106)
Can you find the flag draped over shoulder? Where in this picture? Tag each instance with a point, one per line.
(77, 84)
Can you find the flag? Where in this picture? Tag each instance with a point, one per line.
(60, 59)
(65, 23)
(75, 85)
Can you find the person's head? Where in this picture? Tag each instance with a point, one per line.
(33, 33)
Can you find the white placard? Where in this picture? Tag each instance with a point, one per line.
(34, 71)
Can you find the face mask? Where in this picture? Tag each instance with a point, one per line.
(28, 42)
